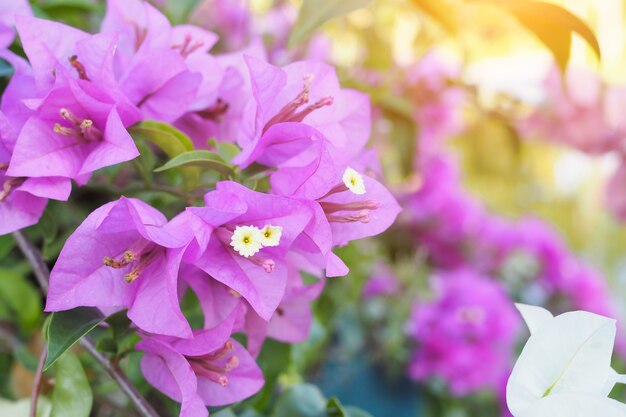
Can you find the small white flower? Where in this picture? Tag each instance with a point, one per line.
(354, 181)
(246, 240)
(270, 235)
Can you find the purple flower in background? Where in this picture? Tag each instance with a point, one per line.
(466, 335)
(382, 282)
(122, 256)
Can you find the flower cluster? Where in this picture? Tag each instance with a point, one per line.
(67, 112)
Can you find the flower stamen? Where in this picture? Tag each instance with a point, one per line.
(78, 66)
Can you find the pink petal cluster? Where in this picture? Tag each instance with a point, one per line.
(583, 112)
(66, 113)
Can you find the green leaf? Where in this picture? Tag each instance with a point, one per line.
(334, 408)
(314, 13)
(552, 24)
(226, 150)
(7, 243)
(303, 400)
(201, 158)
(171, 141)
(67, 327)
(21, 298)
(72, 396)
(274, 358)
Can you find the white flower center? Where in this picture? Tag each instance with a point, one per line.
(246, 240)
(354, 181)
(270, 235)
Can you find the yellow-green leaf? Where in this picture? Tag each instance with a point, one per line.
(171, 141)
(313, 13)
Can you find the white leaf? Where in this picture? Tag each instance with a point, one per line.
(534, 316)
(569, 354)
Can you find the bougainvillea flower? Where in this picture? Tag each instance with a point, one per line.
(56, 51)
(347, 205)
(466, 335)
(566, 356)
(163, 70)
(120, 257)
(210, 369)
(291, 322)
(216, 300)
(259, 275)
(77, 130)
(306, 92)
(22, 200)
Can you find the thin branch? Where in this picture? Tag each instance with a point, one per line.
(41, 271)
(141, 404)
(37, 383)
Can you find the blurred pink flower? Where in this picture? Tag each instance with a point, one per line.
(466, 335)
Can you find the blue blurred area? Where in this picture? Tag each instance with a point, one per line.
(355, 381)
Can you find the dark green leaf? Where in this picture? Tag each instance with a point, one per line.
(72, 396)
(21, 298)
(67, 327)
(313, 13)
(274, 358)
(200, 158)
(119, 323)
(7, 243)
(107, 344)
(334, 408)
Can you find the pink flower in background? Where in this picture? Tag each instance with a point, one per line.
(581, 112)
(382, 282)
(466, 334)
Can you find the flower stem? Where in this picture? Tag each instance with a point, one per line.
(42, 273)
(37, 383)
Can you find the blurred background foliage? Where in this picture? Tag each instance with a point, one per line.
(358, 350)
